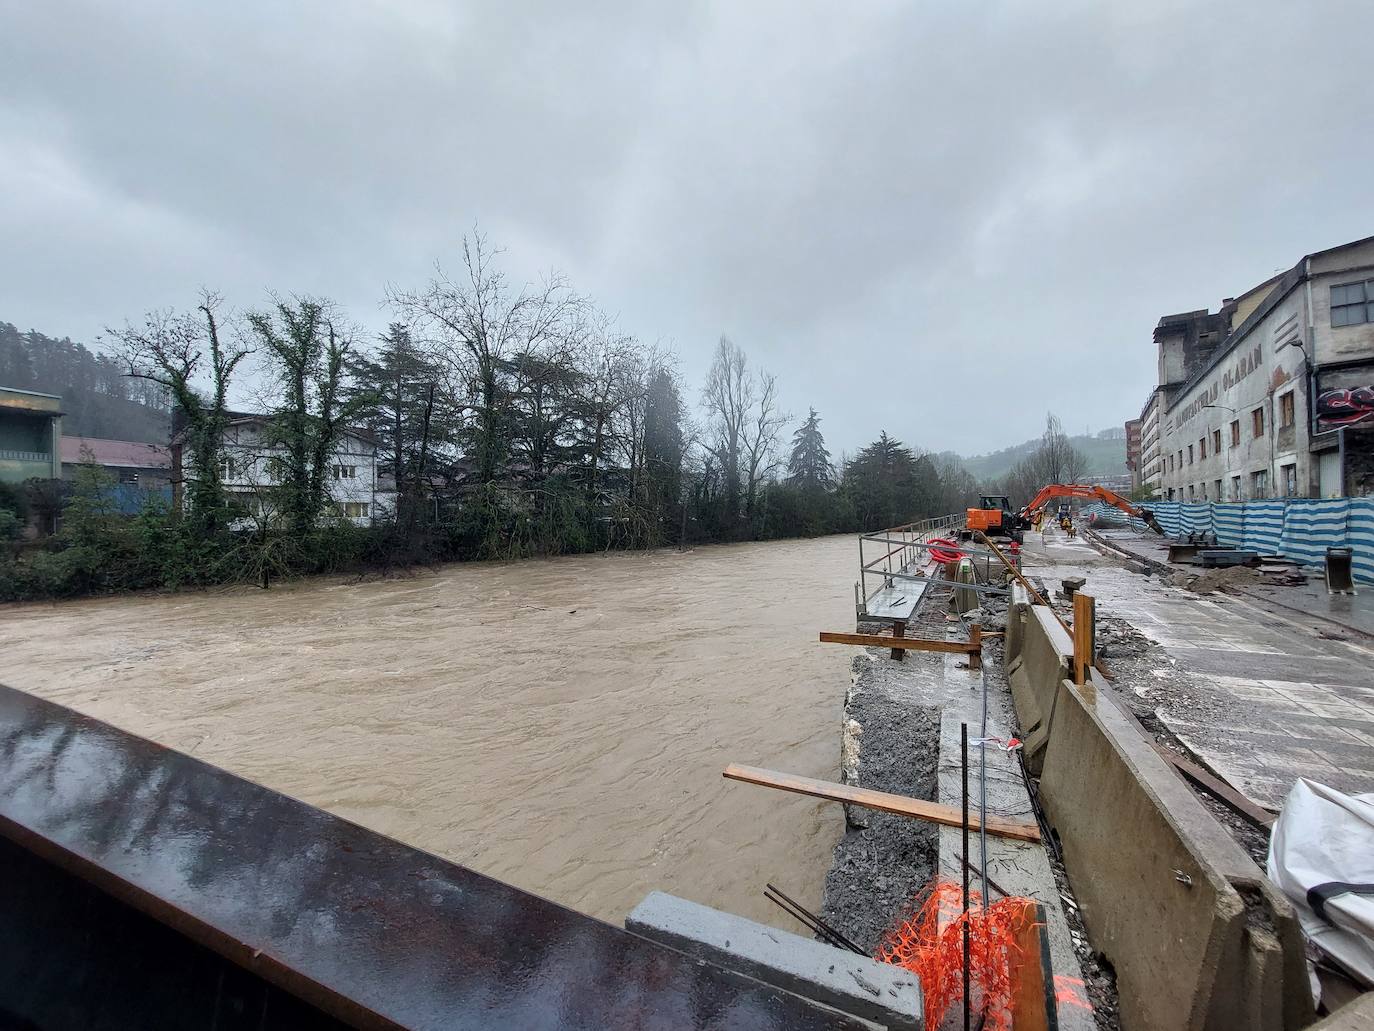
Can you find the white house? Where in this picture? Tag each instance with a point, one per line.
(250, 468)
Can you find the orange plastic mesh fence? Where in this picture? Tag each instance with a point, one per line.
(929, 941)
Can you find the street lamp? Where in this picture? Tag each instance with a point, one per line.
(1231, 410)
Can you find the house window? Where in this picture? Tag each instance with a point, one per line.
(1190, 454)
(1352, 303)
(1285, 410)
(1259, 484)
(345, 472)
(357, 509)
(226, 469)
(1257, 421)
(1216, 447)
(1201, 448)
(1216, 490)
(1289, 474)
(1235, 433)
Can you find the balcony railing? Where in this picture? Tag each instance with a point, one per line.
(25, 456)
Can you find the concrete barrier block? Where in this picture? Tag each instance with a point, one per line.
(880, 992)
(1197, 936)
(1043, 661)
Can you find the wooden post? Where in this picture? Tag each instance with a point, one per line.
(975, 646)
(1084, 635)
(1032, 987)
(898, 630)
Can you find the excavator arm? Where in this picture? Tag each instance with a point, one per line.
(1095, 493)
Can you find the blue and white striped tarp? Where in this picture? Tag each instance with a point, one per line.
(1299, 529)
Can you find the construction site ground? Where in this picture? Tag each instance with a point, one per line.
(1261, 690)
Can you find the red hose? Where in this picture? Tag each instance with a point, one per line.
(949, 553)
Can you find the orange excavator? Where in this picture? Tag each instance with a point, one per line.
(995, 517)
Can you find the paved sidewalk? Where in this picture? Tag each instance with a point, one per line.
(1261, 697)
(1354, 613)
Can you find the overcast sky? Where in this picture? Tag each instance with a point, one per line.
(934, 218)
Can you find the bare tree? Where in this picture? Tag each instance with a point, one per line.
(485, 329)
(178, 352)
(1059, 460)
(760, 435)
(728, 397)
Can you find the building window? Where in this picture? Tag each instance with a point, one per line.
(1235, 433)
(1257, 421)
(1216, 490)
(1171, 494)
(1259, 484)
(1289, 474)
(1216, 446)
(1235, 489)
(1201, 448)
(345, 472)
(1190, 454)
(226, 469)
(353, 509)
(1180, 458)
(1191, 495)
(1352, 303)
(1285, 410)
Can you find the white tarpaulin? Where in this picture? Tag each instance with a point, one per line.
(1321, 855)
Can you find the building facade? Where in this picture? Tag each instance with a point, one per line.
(251, 467)
(1273, 394)
(130, 462)
(30, 432)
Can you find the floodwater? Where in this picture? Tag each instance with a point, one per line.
(559, 724)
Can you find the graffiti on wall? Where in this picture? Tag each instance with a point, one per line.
(1345, 406)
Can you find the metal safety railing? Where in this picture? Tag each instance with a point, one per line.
(904, 553)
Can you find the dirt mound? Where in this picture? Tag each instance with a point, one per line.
(1226, 578)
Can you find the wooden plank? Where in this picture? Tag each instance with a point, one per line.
(882, 801)
(884, 641)
(1219, 789)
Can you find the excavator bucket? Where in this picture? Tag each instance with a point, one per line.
(1151, 521)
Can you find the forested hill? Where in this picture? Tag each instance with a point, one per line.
(1105, 455)
(98, 400)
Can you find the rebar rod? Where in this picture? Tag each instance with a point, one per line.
(824, 927)
(963, 759)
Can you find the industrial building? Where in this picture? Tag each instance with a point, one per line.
(30, 432)
(1270, 396)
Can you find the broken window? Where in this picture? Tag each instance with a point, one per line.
(1290, 479)
(1216, 447)
(1190, 454)
(1216, 489)
(1201, 448)
(1257, 421)
(1259, 484)
(1235, 433)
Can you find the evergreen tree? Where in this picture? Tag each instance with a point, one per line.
(400, 398)
(663, 444)
(809, 467)
(881, 480)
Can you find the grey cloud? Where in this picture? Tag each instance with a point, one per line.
(936, 219)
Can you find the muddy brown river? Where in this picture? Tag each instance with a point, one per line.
(559, 724)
